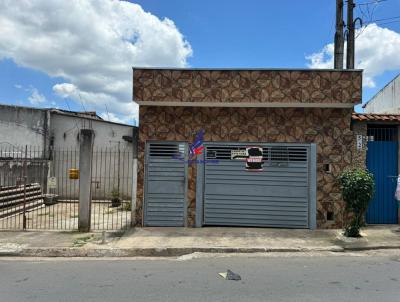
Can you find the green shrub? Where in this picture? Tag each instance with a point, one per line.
(126, 206)
(357, 190)
(115, 198)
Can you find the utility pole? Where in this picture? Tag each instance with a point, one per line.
(350, 35)
(339, 41)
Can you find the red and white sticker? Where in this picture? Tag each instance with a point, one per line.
(254, 160)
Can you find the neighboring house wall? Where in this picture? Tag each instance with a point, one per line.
(112, 159)
(387, 100)
(41, 130)
(65, 132)
(23, 133)
(21, 126)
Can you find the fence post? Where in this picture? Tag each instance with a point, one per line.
(86, 138)
(135, 142)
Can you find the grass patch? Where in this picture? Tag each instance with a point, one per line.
(108, 211)
(79, 242)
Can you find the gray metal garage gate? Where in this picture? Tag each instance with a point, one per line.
(283, 194)
(165, 184)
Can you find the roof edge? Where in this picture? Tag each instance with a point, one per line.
(63, 112)
(379, 117)
(245, 69)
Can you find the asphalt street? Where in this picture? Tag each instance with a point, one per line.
(284, 277)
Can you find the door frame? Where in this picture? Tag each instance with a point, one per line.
(185, 184)
(312, 179)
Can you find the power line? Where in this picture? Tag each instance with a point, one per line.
(385, 19)
(389, 22)
(372, 2)
(108, 115)
(76, 125)
(370, 16)
(379, 22)
(80, 99)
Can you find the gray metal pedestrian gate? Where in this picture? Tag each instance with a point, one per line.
(283, 194)
(165, 184)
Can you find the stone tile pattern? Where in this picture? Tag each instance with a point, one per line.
(360, 128)
(328, 128)
(247, 86)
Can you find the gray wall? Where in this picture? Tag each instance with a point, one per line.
(387, 100)
(20, 126)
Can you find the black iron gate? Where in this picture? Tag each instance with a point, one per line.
(38, 191)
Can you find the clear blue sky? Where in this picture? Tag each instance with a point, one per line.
(226, 33)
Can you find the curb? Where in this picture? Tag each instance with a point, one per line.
(171, 252)
(370, 248)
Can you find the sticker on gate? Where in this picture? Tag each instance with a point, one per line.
(196, 148)
(254, 160)
(239, 154)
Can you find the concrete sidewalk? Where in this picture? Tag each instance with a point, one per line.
(181, 241)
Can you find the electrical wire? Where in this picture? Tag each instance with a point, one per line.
(372, 2)
(369, 19)
(385, 19)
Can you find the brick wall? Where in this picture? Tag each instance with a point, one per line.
(247, 86)
(330, 129)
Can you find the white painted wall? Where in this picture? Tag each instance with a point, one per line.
(65, 131)
(112, 159)
(387, 100)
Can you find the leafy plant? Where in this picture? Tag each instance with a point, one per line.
(115, 193)
(115, 200)
(357, 190)
(126, 206)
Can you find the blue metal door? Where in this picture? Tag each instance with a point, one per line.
(382, 163)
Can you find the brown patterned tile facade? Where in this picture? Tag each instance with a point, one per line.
(328, 128)
(247, 86)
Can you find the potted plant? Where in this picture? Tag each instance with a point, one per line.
(50, 199)
(357, 190)
(115, 199)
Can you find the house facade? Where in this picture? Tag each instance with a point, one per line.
(298, 120)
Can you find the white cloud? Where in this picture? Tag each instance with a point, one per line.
(92, 44)
(36, 98)
(377, 51)
(109, 116)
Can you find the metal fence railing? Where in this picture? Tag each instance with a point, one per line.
(38, 192)
(112, 172)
